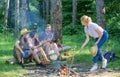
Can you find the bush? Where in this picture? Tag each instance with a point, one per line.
(72, 30)
(114, 26)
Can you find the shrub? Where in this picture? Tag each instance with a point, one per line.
(72, 30)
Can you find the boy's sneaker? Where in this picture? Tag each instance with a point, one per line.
(21, 64)
(41, 65)
(94, 68)
(104, 63)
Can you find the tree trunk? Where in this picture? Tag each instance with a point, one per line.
(16, 18)
(6, 15)
(74, 3)
(56, 18)
(47, 10)
(100, 10)
(44, 9)
(11, 14)
(23, 21)
(29, 15)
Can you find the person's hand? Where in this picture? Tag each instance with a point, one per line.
(40, 44)
(32, 48)
(48, 40)
(96, 43)
(23, 54)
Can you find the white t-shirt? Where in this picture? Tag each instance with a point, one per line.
(91, 29)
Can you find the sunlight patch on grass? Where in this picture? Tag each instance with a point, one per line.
(12, 73)
(6, 47)
(5, 57)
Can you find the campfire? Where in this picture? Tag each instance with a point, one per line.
(63, 70)
(58, 70)
(67, 71)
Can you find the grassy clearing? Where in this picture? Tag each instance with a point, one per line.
(75, 41)
(6, 47)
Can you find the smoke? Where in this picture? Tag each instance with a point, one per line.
(34, 20)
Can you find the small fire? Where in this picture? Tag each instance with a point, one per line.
(63, 70)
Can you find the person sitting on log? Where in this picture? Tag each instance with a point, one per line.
(48, 38)
(22, 49)
(37, 47)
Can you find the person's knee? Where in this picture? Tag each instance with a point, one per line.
(47, 44)
(33, 53)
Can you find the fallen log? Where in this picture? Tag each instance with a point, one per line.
(14, 61)
(11, 61)
(64, 48)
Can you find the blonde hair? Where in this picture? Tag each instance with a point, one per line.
(86, 19)
(48, 25)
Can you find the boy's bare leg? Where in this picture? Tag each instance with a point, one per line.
(18, 55)
(46, 47)
(43, 53)
(35, 56)
(55, 48)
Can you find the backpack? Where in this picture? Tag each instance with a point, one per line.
(110, 56)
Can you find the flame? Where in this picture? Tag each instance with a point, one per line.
(63, 71)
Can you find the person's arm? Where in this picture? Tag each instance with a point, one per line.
(29, 41)
(99, 36)
(85, 43)
(17, 46)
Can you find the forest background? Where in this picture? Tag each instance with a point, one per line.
(65, 20)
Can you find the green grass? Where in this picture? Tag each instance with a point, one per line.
(75, 41)
(6, 47)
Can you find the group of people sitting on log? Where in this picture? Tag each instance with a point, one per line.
(35, 47)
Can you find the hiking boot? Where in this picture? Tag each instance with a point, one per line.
(104, 63)
(94, 68)
(21, 64)
(41, 65)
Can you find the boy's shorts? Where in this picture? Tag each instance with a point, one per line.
(26, 52)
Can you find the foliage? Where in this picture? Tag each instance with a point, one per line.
(1, 26)
(2, 7)
(83, 7)
(72, 34)
(75, 41)
(112, 6)
(113, 18)
(114, 25)
(72, 29)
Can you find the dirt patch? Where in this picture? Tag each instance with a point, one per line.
(81, 70)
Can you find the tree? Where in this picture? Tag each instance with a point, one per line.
(23, 20)
(74, 3)
(6, 15)
(47, 10)
(16, 18)
(100, 10)
(56, 18)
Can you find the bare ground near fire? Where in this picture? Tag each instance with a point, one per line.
(76, 70)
